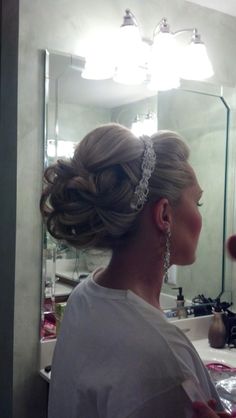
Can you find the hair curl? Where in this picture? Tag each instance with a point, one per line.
(86, 200)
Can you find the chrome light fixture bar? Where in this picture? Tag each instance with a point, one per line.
(159, 62)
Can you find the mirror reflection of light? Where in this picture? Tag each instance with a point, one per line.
(145, 126)
(137, 127)
(57, 149)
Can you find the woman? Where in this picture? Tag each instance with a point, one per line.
(117, 356)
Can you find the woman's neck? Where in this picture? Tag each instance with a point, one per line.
(138, 266)
(141, 273)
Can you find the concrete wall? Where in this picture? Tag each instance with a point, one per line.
(62, 25)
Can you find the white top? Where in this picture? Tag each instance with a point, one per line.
(118, 356)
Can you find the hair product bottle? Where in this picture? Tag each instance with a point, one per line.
(217, 330)
(181, 311)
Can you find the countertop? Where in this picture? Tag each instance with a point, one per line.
(195, 328)
(208, 354)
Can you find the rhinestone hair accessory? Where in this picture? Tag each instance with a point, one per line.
(148, 165)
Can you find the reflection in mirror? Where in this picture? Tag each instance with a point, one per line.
(202, 120)
(73, 107)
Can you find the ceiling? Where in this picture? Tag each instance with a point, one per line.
(223, 6)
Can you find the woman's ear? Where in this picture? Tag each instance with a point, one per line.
(162, 214)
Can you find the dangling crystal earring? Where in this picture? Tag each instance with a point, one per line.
(167, 256)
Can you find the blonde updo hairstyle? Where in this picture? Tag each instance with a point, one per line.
(86, 200)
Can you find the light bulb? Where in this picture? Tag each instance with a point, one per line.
(164, 50)
(131, 53)
(195, 63)
(129, 74)
(99, 59)
(97, 69)
(162, 69)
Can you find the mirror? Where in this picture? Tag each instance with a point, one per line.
(202, 119)
(198, 111)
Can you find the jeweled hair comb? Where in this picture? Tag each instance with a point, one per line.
(148, 165)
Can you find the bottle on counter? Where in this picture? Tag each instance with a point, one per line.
(59, 312)
(217, 330)
(181, 310)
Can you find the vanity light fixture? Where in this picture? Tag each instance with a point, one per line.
(159, 62)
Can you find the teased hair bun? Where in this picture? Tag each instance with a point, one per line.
(86, 200)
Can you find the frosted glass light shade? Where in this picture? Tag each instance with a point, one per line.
(163, 63)
(194, 63)
(129, 74)
(99, 59)
(164, 82)
(128, 43)
(97, 68)
(164, 49)
(93, 71)
(131, 54)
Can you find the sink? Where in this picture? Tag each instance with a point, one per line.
(208, 354)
